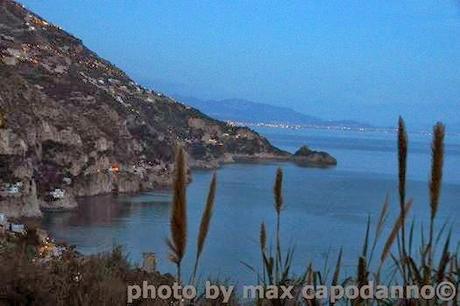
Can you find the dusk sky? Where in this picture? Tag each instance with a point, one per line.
(363, 60)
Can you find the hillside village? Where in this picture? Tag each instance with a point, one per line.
(47, 248)
(72, 124)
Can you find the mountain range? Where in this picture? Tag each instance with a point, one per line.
(244, 111)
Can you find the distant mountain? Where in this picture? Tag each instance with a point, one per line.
(248, 111)
(252, 112)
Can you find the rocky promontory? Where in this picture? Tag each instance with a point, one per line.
(72, 124)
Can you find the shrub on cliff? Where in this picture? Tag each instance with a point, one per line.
(2, 120)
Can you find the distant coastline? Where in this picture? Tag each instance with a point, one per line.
(248, 113)
(306, 126)
(292, 126)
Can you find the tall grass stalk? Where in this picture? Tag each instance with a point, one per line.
(436, 180)
(263, 247)
(380, 226)
(402, 167)
(278, 194)
(178, 241)
(204, 225)
(393, 236)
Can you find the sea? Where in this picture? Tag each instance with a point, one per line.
(325, 209)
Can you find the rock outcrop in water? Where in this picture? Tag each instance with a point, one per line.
(306, 157)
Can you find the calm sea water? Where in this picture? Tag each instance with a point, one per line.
(326, 209)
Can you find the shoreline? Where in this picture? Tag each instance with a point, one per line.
(33, 205)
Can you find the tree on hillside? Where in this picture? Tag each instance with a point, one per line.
(2, 120)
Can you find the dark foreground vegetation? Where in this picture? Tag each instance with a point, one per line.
(103, 279)
(70, 280)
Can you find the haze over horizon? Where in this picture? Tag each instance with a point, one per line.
(361, 60)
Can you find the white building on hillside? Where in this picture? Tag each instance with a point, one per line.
(57, 194)
(13, 189)
(3, 219)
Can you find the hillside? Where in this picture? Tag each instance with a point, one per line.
(72, 124)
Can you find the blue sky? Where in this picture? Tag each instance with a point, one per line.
(363, 60)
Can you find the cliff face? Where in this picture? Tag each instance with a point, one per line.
(70, 121)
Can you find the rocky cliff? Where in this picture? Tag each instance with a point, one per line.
(72, 124)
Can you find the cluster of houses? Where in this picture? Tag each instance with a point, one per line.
(15, 189)
(59, 193)
(118, 89)
(11, 189)
(47, 248)
(10, 227)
